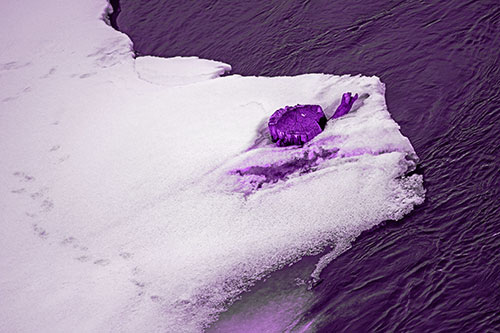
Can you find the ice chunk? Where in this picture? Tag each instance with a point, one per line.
(178, 70)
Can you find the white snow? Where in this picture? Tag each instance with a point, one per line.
(119, 205)
(178, 71)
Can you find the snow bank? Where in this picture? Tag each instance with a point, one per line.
(127, 203)
(178, 71)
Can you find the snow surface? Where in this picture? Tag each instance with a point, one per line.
(124, 202)
(178, 71)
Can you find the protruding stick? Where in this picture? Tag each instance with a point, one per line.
(345, 105)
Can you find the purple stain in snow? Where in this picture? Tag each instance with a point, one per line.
(275, 172)
(296, 125)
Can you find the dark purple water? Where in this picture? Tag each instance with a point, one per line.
(437, 270)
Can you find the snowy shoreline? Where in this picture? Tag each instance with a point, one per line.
(117, 191)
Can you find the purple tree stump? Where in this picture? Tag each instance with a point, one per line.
(296, 125)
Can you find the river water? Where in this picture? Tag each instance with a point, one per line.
(439, 268)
